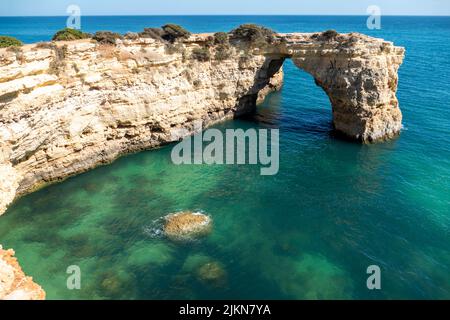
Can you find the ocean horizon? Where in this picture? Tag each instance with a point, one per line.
(31, 29)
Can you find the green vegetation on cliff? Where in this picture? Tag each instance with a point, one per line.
(201, 54)
(153, 33)
(220, 38)
(106, 37)
(69, 34)
(169, 32)
(253, 34)
(6, 41)
(328, 35)
(173, 32)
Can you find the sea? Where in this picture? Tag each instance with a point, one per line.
(312, 231)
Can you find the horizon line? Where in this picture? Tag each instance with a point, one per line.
(230, 15)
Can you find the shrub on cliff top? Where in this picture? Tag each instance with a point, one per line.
(173, 32)
(201, 54)
(6, 41)
(169, 32)
(326, 36)
(253, 34)
(69, 34)
(330, 34)
(131, 36)
(106, 37)
(220, 38)
(222, 52)
(153, 33)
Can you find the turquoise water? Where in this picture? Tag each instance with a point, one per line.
(309, 232)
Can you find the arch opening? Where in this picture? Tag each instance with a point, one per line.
(300, 106)
(361, 89)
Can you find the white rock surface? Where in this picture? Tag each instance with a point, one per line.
(14, 284)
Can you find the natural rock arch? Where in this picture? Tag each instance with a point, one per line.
(67, 107)
(359, 74)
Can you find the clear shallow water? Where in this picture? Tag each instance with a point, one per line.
(309, 232)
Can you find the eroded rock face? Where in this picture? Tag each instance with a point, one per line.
(67, 109)
(360, 76)
(14, 284)
(186, 225)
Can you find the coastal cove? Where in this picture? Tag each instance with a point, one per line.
(310, 232)
(70, 106)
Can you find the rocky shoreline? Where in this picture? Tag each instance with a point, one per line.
(14, 284)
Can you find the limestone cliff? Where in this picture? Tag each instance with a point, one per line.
(14, 285)
(360, 76)
(68, 107)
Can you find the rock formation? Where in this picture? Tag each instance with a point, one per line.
(14, 284)
(360, 76)
(67, 107)
(186, 225)
(212, 273)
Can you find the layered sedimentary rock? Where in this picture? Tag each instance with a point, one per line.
(360, 76)
(14, 284)
(68, 107)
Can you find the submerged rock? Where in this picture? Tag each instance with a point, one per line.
(186, 225)
(205, 269)
(212, 273)
(115, 285)
(14, 284)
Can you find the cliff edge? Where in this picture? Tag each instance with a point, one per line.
(14, 284)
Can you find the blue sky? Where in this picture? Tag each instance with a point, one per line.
(192, 7)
